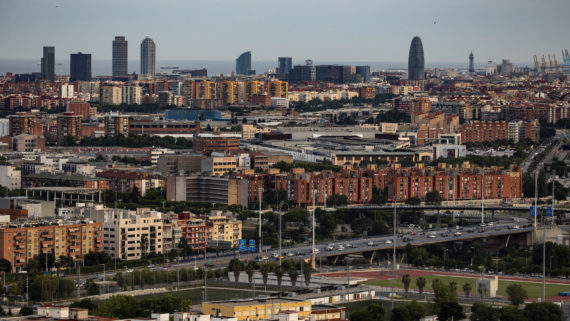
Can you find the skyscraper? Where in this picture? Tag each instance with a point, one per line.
(148, 57)
(243, 64)
(416, 60)
(80, 67)
(48, 63)
(120, 56)
(285, 65)
(471, 66)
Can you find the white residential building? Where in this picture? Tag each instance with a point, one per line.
(130, 235)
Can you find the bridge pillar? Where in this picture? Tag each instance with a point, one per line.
(334, 259)
(492, 215)
(369, 256)
(438, 223)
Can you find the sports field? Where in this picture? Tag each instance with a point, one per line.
(532, 286)
(533, 289)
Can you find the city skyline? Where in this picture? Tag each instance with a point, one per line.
(491, 32)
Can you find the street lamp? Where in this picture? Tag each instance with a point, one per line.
(313, 257)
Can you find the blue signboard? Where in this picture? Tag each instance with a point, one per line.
(532, 211)
(252, 245)
(549, 211)
(242, 245)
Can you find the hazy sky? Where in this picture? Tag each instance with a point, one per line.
(324, 30)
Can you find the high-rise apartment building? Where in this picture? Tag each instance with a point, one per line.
(80, 67)
(116, 124)
(285, 65)
(48, 64)
(416, 60)
(68, 127)
(148, 57)
(120, 56)
(131, 95)
(111, 95)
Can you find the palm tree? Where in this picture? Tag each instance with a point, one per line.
(265, 269)
(279, 272)
(406, 280)
(482, 290)
(467, 289)
(250, 270)
(293, 274)
(453, 288)
(421, 283)
(307, 271)
(236, 266)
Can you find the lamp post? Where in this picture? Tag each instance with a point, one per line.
(260, 193)
(313, 257)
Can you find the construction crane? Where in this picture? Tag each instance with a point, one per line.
(543, 65)
(536, 65)
(549, 61)
(566, 60)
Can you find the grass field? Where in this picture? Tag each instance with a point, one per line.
(534, 290)
(214, 294)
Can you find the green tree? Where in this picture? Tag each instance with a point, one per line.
(236, 266)
(144, 244)
(293, 275)
(250, 270)
(265, 269)
(433, 198)
(517, 294)
(121, 307)
(484, 312)
(400, 314)
(307, 272)
(543, 312)
(26, 310)
(467, 289)
(376, 311)
(92, 287)
(84, 304)
(416, 310)
(421, 283)
(413, 201)
(5, 266)
(166, 303)
(406, 280)
(279, 272)
(450, 311)
(510, 313)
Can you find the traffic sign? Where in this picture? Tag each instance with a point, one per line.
(252, 245)
(532, 211)
(242, 245)
(549, 211)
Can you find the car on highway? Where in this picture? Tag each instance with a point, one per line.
(457, 234)
(388, 242)
(516, 227)
(330, 247)
(370, 243)
(275, 255)
(340, 248)
(349, 245)
(150, 266)
(432, 236)
(290, 254)
(316, 250)
(130, 271)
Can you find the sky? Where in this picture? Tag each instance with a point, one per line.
(323, 30)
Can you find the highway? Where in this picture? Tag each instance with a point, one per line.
(416, 237)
